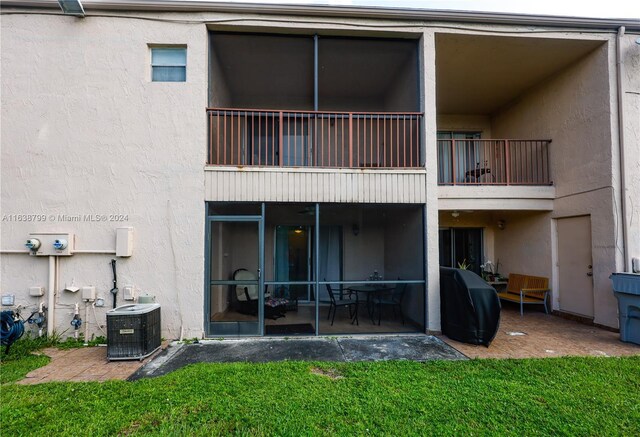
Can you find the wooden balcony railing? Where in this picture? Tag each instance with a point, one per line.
(493, 162)
(314, 138)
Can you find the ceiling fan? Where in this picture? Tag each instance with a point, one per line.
(308, 210)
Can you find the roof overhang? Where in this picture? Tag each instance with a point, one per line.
(342, 11)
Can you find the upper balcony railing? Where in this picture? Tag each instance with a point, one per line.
(493, 162)
(258, 137)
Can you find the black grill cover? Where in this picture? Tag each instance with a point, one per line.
(469, 307)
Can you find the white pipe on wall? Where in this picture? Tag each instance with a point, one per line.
(86, 323)
(51, 296)
(85, 251)
(97, 252)
(623, 185)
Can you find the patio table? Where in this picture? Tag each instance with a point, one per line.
(371, 290)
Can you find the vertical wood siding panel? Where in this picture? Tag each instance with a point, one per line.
(333, 186)
(412, 189)
(372, 188)
(308, 192)
(246, 186)
(264, 188)
(271, 187)
(226, 187)
(344, 191)
(394, 194)
(252, 191)
(277, 191)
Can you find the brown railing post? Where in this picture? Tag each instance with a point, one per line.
(281, 142)
(350, 140)
(453, 162)
(548, 180)
(507, 161)
(210, 158)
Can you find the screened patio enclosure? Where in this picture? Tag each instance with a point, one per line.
(314, 269)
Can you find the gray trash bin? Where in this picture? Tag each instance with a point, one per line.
(626, 287)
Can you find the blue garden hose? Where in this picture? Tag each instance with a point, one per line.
(11, 328)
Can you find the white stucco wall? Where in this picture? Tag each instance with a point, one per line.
(576, 109)
(85, 131)
(631, 104)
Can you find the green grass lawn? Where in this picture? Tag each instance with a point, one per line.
(570, 396)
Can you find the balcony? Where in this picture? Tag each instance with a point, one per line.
(493, 162)
(321, 139)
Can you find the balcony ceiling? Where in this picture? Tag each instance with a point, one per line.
(263, 71)
(355, 74)
(481, 74)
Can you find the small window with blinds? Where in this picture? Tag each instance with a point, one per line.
(168, 64)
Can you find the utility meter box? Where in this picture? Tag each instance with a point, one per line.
(51, 243)
(124, 242)
(36, 291)
(89, 293)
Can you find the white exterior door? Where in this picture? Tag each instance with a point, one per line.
(575, 294)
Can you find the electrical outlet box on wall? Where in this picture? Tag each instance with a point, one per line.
(124, 242)
(36, 291)
(129, 292)
(54, 243)
(89, 293)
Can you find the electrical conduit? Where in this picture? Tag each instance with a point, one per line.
(51, 296)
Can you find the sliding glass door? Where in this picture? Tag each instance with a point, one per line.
(293, 261)
(460, 246)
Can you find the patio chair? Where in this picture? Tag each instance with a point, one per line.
(393, 299)
(349, 303)
(247, 298)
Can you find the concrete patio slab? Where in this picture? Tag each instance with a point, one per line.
(413, 348)
(346, 349)
(539, 335)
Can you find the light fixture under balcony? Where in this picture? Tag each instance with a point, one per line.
(72, 7)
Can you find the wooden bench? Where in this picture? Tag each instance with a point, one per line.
(525, 289)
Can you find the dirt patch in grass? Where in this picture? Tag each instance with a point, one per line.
(329, 373)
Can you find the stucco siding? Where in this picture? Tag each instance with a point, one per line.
(573, 109)
(631, 107)
(85, 131)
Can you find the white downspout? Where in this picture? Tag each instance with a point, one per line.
(52, 296)
(623, 185)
